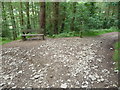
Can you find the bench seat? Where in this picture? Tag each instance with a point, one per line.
(28, 32)
(32, 35)
(24, 36)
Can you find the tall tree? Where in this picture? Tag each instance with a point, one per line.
(28, 16)
(21, 16)
(56, 16)
(4, 23)
(42, 17)
(73, 19)
(63, 19)
(33, 14)
(13, 22)
(119, 15)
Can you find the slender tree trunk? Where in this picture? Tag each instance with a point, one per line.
(73, 19)
(4, 26)
(21, 16)
(37, 18)
(28, 16)
(119, 15)
(33, 15)
(63, 20)
(13, 22)
(42, 17)
(49, 20)
(56, 16)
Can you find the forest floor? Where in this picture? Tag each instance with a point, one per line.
(60, 62)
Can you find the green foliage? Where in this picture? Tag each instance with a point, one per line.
(4, 41)
(67, 34)
(116, 55)
(87, 16)
(92, 32)
(7, 40)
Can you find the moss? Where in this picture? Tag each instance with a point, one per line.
(116, 55)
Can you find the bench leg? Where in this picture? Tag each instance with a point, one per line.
(81, 34)
(43, 37)
(23, 38)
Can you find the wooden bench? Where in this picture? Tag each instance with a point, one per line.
(29, 32)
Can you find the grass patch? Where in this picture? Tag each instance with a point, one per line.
(87, 33)
(7, 40)
(116, 56)
(4, 41)
(66, 34)
(98, 32)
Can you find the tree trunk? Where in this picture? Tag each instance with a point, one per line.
(73, 19)
(63, 20)
(119, 41)
(119, 15)
(21, 16)
(4, 23)
(33, 15)
(13, 22)
(28, 16)
(56, 16)
(42, 17)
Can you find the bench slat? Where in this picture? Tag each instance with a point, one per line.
(32, 34)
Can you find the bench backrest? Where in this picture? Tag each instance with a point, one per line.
(26, 31)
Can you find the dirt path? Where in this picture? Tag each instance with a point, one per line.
(62, 62)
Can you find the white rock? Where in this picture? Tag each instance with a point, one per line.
(77, 83)
(114, 85)
(40, 82)
(111, 48)
(14, 87)
(63, 85)
(2, 84)
(92, 77)
(101, 79)
(36, 76)
(33, 55)
(6, 77)
(68, 74)
(85, 83)
(92, 82)
(97, 76)
(68, 80)
(47, 65)
(116, 71)
(20, 72)
(84, 86)
(114, 63)
(99, 60)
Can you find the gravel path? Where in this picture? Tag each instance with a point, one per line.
(62, 62)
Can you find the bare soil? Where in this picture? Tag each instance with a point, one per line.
(72, 62)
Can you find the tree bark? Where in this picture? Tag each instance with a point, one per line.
(73, 19)
(63, 20)
(33, 15)
(42, 17)
(56, 16)
(21, 16)
(13, 22)
(4, 27)
(28, 16)
(119, 15)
